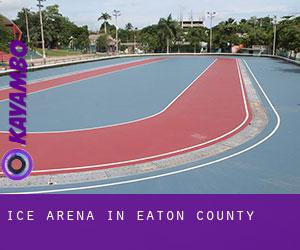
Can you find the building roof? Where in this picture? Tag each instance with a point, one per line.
(93, 39)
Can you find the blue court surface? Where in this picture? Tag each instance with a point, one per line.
(268, 163)
(109, 99)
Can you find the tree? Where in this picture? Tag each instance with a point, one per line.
(33, 25)
(6, 37)
(149, 38)
(102, 43)
(58, 30)
(128, 26)
(105, 16)
(52, 26)
(254, 31)
(125, 35)
(226, 35)
(195, 36)
(82, 41)
(289, 34)
(167, 30)
(159, 37)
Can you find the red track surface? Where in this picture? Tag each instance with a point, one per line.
(210, 108)
(54, 82)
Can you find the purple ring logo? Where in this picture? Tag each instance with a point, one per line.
(17, 164)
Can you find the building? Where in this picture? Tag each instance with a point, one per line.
(110, 46)
(192, 24)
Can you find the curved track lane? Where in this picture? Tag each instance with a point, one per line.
(179, 128)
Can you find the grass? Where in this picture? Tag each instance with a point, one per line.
(59, 52)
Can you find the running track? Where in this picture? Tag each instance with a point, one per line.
(48, 84)
(181, 127)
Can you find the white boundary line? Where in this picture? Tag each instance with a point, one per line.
(122, 123)
(70, 83)
(178, 171)
(132, 121)
(172, 152)
(75, 81)
(36, 81)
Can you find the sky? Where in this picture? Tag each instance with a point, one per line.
(142, 13)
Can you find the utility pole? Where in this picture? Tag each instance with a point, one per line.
(116, 14)
(181, 16)
(275, 31)
(42, 29)
(134, 42)
(211, 15)
(27, 25)
(254, 27)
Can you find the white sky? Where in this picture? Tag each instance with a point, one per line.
(141, 13)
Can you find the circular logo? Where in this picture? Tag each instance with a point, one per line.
(17, 164)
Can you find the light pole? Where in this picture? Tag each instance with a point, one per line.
(42, 29)
(134, 36)
(274, 38)
(27, 26)
(116, 14)
(254, 27)
(211, 15)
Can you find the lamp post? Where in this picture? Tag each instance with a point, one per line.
(27, 30)
(211, 15)
(116, 14)
(134, 42)
(274, 38)
(27, 25)
(42, 29)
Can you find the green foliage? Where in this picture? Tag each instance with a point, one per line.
(167, 31)
(111, 29)
(166, 35)
(289, 34)
(148, 36)
(105, 17)
(128, 26)
(196, 36)
(227, 34)
(126, 35)
(102, 43)
(58, 30)
(258, 31)
(5, 38)
(59, 52)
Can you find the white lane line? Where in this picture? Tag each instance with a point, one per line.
(36, 81)
(178, 171)
(144, 118)
(124, 123)
(70, 83)
(91, 77)
(171, 152)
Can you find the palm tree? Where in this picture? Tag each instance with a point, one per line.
(128, 26)
(167, 30)
(104, 16)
